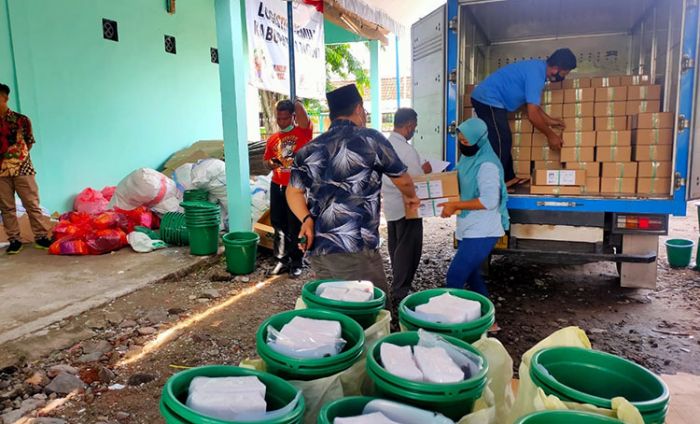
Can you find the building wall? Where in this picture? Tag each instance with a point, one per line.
(100, 108)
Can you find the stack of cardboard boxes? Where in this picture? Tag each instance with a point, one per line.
(616, 140)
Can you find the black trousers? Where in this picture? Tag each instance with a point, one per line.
(405, 248)
(287, 227)
(499, 134)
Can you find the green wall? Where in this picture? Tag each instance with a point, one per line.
(101, 109)
(7, 62)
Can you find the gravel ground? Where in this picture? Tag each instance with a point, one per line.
(213, 317)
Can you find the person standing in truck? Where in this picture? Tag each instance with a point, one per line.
(515, 86)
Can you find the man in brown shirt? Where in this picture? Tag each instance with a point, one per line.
(17, 176)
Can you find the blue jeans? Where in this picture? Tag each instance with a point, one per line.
(465, 268)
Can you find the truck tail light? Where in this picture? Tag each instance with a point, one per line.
(640, 222)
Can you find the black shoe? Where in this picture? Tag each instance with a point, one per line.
(295, 271)
(14, 248)
(280, 268)
(43, 243)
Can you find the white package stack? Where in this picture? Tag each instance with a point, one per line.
(436, 365)
(373, 418)
(309, 338)
(450, 309)
(227, 398)
(347, 291)
(398, 360)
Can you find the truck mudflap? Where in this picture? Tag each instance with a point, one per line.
(640, 258)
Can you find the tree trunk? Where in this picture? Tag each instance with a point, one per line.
(268, 100)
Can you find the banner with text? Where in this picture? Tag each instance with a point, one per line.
(268, 47)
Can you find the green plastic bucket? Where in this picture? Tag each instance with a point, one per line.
(195, 195)
(568, 417)
(594, 377)
(204, 241)
(173, 229)
(310, 369)
(454, 400)
(365, 313)
(241, 252)
(279, 393)
(679, 252)
(469, 332)
(345, 407)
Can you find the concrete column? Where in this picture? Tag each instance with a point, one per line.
(375, 85)
(233, 62)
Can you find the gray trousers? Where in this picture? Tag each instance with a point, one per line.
(365, 265)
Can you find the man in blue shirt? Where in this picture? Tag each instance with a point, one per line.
(512, 87)
(339, 174)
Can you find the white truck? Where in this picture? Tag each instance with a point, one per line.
(464, 41)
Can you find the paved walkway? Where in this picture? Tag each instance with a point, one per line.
(38, 289)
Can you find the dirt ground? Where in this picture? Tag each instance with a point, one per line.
(210, 318)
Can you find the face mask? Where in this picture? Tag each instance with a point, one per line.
(468, 150)
(556, 78)
(288, 129)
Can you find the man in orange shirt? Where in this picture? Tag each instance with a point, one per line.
(295, 132)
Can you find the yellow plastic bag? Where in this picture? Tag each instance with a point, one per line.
(321, 391)
(531, 398)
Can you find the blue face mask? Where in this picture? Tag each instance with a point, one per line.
(288, 129)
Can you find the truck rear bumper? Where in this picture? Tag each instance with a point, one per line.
(643, 258)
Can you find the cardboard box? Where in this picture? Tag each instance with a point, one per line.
(522, 140)
(578, 110)
(613, 138)
(429, 208)
(522, 168)
(264, 229)
(620, 170)
(614, 154)
(544, 153)
(521, 126)
(553, 97)
(618, 185)
(559, 177)
(548, 164)
(644, 92)
(576, 83)
(657, 120)
(647, 137)
(557, 190)
(610, 109)
(592, 185)
(630, 80)
(611, 94)
(635, 107)
(554, 110)
(654, 185)
(579, 124)
(611, 123)
(578, 154)
(521, 152)
(655, 169)
(553, 86)
(592, 168)
(441, 184)
(653, 153)
(539, 140)
(599, 82)
(579, 95)
(579, 139)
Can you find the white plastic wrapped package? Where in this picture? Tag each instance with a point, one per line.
(346, 291)
(399, 361)
(469, 362)
(260, 195)
(147, 187)
(227, 398)
(404, 414)
(307, 338)
(372, 418)
(183, 177)
(436, 365)
(448, 309)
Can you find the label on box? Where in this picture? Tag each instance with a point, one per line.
(561, 178)
(429, 208)
(428, 189)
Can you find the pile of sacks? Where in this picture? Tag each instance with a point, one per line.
(228, 398)
(305, 338)
(346, 291)
(448, 309)
(148, 188)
